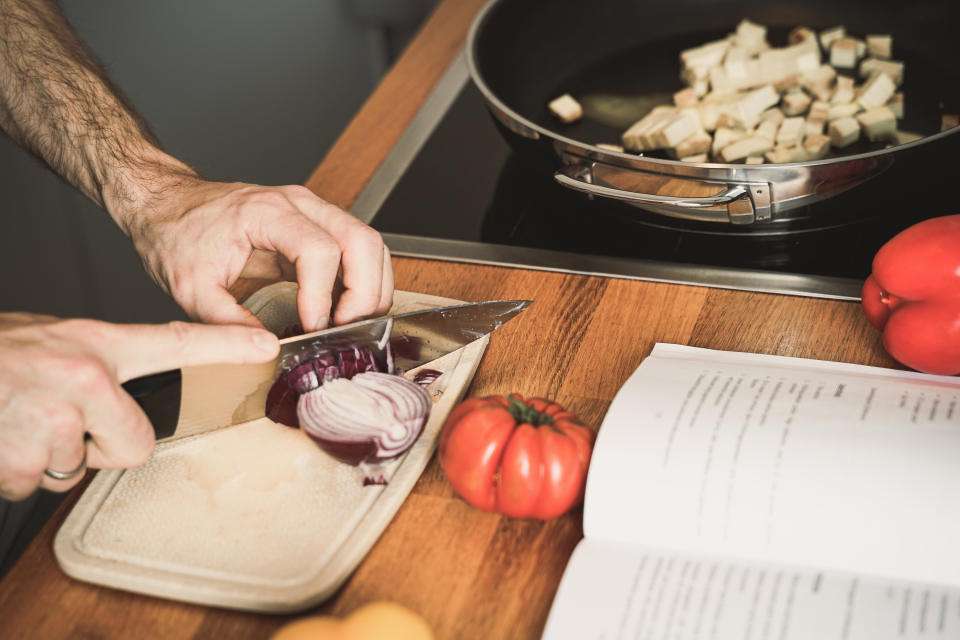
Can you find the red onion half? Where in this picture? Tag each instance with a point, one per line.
(365, 420)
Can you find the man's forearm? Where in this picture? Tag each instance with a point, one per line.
(56, 101)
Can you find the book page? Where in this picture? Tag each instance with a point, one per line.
(614, 592)
(779, 459)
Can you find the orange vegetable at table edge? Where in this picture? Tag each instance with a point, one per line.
(522, 458)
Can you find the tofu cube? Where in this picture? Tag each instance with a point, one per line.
(896, 105)
(791, 132)
(696, 144)
(566, 108)
(843, 132)
(801, 34)
(754, 160)
(681, 126)
(828, 36)
(848, 110)
(795, 103)
(813, 125)
(773, 113)
(700, 157)
(685, 99)
(780, 154)
(751, 36)
(880, 46)
(877, 91)
(639, 137)
(843, 53)
(606, 146)
(725, 136)
(819, 110)
(893, 68)
(817, 146)
(742, 149)
(697, 62)
(878, 123)
(768, 129)
(756, 102)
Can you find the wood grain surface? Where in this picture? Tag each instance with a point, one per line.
(470, 574)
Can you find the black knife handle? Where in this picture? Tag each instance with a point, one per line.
(159, 396)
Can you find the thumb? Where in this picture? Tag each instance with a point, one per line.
(140, 349)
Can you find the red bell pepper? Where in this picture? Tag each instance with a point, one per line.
(913, 295)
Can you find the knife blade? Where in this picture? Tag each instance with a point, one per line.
(194, 400)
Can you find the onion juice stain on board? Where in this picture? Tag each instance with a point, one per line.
(256, 458)
(623, 87)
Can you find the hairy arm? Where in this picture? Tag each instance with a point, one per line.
(196, 237)
(56, 101)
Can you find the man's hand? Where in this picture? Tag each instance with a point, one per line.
(198, 237)
(60, 380)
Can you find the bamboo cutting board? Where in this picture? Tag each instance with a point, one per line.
(254, 516)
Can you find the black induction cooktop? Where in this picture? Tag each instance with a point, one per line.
(452, 189)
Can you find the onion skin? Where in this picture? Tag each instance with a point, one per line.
(368, 419)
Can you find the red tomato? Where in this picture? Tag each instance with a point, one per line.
(522, 458)
(913, 295)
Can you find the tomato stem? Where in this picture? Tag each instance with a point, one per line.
(526, 414)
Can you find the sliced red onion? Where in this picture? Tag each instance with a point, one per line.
(426, 377)
(367, 419)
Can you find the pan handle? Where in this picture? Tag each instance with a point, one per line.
(743, 203)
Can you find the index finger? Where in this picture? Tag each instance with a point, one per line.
(140, 349)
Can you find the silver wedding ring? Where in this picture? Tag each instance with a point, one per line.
(67, 475)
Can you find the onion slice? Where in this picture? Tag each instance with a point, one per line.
(365, 420)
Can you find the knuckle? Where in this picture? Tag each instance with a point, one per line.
(265, 197)
(61, 419)
(87, 374)
(181, 335)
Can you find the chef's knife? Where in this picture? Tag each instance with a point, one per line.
(193, 400)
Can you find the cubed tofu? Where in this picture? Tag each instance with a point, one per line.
(877, 91)
(697, 61)
(773, 113)
(795, 103)
(791, 132)
(821, 78)
(681, 126)
(685, 99)
(848, 110)
(801, 34)
(751, 36)
(896, 105)
(755, 102)
(725, 136)
(878, 123)
(754, 160)
(843, 53)
(893, 68)
(813, 125)
(781, 154)
(842, 95)
(819, 110)
(606, 146)
(817, 146)
(903, 137)
(566, 108)
(768, 129)
(843, 132)
(742, 149)
(697, 143)
(827, 36)
(880, 46)
(700, 157)
(639, 137)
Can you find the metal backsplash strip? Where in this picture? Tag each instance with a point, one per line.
(428, 117)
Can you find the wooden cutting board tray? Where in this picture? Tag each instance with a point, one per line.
(253, 516)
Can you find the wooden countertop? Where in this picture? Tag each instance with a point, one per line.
(470, 574)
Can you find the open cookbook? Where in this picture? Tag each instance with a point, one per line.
(736, 495)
